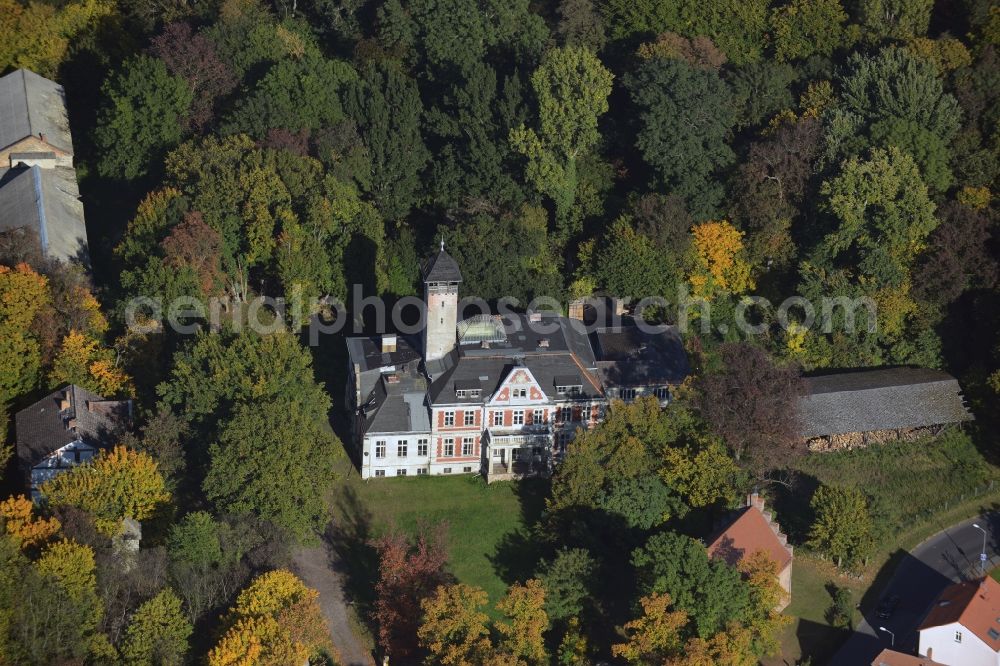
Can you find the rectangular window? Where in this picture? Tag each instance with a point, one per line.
(628, 394)
(519, 393)
(401, 448)
(449, 418)
(565, 414)
(449, 447)
(447, 470)
(460, 393)
(958, 636)
(498, 418)
(380, 448)
(661, 393)
(538, 416)
(400, 472)
(380, 472)
(421, 471)
(421, 447)
(466, 446)
(466, 469)
(518, 417)
(569, 390)
(475, 393)
(469, 418)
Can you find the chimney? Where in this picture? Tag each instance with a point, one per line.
(64, 403)
(576, 309)
(41, 136)
(534, 316)
(388, 343)
(543, 343)
(71, 424)
(619, 306)
(391, 378)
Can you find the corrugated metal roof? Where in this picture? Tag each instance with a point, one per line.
(46, 201)
(31, 105)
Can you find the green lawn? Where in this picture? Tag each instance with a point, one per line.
(908, 482)
(485, 522)
(916, 489)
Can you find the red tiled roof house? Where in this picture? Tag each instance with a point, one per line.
(963, 626)
(755, 529)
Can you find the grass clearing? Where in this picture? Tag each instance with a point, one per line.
(916, 489)
(485, 521)
(908, 482)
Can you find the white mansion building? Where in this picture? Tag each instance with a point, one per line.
(497, 395)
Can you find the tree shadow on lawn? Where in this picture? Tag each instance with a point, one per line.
(518, 553)
(791, 503)
(352, 554)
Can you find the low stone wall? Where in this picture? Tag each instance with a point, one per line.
(859, 440)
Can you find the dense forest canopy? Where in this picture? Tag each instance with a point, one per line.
(320, 149)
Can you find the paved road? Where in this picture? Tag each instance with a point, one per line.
(948, 556)
(318, 568)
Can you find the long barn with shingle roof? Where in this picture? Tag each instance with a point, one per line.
(857, 408)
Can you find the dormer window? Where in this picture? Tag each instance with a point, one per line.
(571, 389)
(460, 393)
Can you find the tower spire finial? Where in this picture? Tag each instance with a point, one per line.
(442, 242)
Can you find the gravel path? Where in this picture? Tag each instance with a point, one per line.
(318, 568)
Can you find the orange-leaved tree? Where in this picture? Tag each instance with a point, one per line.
(19, 521)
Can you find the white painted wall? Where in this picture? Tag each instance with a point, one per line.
(972, 651)
(392, 461)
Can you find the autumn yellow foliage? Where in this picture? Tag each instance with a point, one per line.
(71, 564)
(37, 36)
(276, 620)
(17, 517)
(82, 361)
(719, 260)
(118, 484)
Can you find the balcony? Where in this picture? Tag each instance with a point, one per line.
(515, 456)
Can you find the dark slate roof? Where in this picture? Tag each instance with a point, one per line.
(630, 356)
(31, 105)
(367, 352)
(45, 426)
(399, 405)
(883, 399)
(442, 268)
(47, 201)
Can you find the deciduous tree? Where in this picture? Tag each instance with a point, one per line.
(572, 88)
(654, 637)
(118, 484)
(843, 527)
(454, 629)
(522, 637)
(408, 573)
(157, 633)
(684, 117)
(144, 115)
(25, 528)
(752, 403)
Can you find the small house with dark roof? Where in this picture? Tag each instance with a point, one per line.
(854, 409)
(500, 395)
(754, 529)
(962, 628)
(66, 428)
